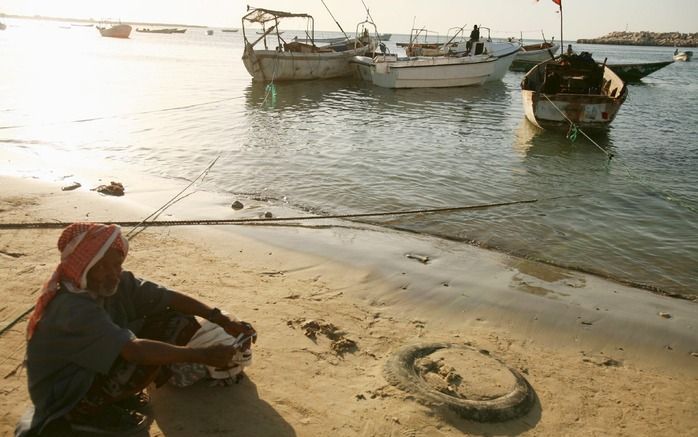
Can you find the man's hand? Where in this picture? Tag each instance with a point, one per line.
(218, 356)
(235, 328)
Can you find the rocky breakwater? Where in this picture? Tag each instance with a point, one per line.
(670, 39)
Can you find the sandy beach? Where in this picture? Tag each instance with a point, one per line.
(602, 358)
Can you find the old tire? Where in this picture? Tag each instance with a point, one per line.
(401, 372)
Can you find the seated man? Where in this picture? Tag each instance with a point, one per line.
(98, 336)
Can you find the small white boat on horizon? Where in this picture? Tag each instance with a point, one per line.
(684, 56)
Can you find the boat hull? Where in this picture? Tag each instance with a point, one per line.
(635, 72)
(683, 56)
(527, 58)
(587, 112)
(593, 106)
(266, 65)
(433, 71)
(116, 31)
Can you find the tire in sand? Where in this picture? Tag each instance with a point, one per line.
(470, 382)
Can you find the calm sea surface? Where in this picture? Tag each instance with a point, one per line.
(167, 105)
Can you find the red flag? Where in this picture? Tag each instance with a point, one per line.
(558, 2)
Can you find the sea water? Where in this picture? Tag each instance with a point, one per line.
(167, 105)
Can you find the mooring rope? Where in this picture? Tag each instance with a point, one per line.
(127, 114)
(572, 135)
(176, 198)
(143, 223)
(271, 88)
(194, 222)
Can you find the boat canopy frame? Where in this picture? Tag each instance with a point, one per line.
(265, 16)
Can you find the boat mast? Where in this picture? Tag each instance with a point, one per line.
(562, 40)
(335, 20)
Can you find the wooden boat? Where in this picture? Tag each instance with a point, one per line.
(531, 54)
(115, 31)
(166, 30)
(683, 56)
(627, 72)
(271, 57)
(572, 88)
(481, 64)
(635, 72)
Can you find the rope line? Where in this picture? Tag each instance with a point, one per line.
(127, 114)
(271, 88)
(193, 222)
(574, 129)
(179, 196)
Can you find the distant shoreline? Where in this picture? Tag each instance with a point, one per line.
(666, 39)
(92, 21)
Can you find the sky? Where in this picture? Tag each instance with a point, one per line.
(582, 18)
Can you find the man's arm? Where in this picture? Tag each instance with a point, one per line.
(189, 305)
(151, 352)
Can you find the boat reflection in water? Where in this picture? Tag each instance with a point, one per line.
(425, 105)
(529, 142)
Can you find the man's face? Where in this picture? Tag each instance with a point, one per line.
(103, 277)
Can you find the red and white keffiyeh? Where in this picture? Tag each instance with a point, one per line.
(81, 245)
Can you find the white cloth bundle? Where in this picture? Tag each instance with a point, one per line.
(210, 334)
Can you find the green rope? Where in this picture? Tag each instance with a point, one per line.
(572, 133)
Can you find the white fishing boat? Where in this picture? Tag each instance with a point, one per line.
(531, 54)
(424, 42)
(485, 61)
(684, 56)
(115, 31)
(572, 89)
(271, 57)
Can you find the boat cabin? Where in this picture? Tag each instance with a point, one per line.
(571, 74)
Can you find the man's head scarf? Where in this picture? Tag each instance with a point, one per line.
(81, 245)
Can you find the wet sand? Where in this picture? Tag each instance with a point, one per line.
(602, 358)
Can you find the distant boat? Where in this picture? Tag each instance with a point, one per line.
(627, 72)
(531, 54)
(635, 72)
(385, 36)
(3, 26)
(572, 88)
(165, 30)
(81, 25)
(229, 30)
(683, 56)
(115, 31)
(209, 32)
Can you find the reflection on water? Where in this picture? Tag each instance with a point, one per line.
(168, 105)
(531, 141)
